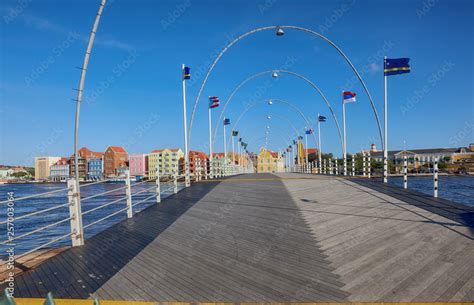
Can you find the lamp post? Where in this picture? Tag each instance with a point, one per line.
(185, 76)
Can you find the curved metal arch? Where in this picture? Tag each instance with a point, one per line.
(273, 100)
(284, 27)
(281, 131)
(312, 84)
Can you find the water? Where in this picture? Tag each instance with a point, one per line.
(35, 204)
(455, 188)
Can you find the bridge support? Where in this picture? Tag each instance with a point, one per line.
(128, 192)
(75, 213)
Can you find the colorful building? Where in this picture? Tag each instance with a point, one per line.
(269, 161)
(43, 167)
(59, 171)
(193, 156)
(138, 165)
(95, 169)
(115, 161)
(84, 155)
(5, 172)
(170, 162)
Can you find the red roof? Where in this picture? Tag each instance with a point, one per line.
(160, 150)
(98, 154)
(157, 150)
(221, 155)
(117, 149)
(197, 154)
(62, 161)
(311, 150)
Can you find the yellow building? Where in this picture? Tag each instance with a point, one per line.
(269, 161)
(42, 167)
(170, 161)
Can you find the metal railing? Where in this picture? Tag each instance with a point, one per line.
(128, 194)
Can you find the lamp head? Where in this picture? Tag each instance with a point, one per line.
(279, 31)
(275, 74)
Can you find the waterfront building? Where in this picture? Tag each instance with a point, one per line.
(138, 165)
(43, 165)
(115, 160)
(193, 156)
(84, 155)
(418, 157)
(95, 168)
(5, 172)
(269, 161)
(169, 160)
(59, 171)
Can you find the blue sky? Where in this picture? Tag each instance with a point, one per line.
(133, 88)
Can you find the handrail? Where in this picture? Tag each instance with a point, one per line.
(35, 231)
(145, 190)
(103, 206)
(104, 218)
(37, 212)
(106, 192)
(36, 195)
(143, 200)
(47, 244)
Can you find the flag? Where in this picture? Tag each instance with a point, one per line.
(226, 121)
(235, 133)
(348, 97)
(187, 73)
(213, 102)
(310, 131)
(393, 66)
(321, 118)
(300, 138)
(294, 142)
(240, 139)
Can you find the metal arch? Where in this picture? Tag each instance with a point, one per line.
(283, 27)
(290, 73)
(281, 130)
(273, 100)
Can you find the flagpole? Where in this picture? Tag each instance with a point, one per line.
(211, 168)
(319, 144)
(385, 140)
(238, 152)
(225, 146)
(186, 152)
(344, 131)
(306, 150)
(233, 149)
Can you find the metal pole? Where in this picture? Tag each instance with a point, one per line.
(344, 136)
(128, 193)
(186, 152)
(306, 145)
(353, 165)
(319, 141)
(158, 186)
(385, 138)
(211, 168)
(82, 79)
(77, 232)
(225, 146)
(435, 178)
(369, 165)
(364, 170)
(405, 172)
(233, 150)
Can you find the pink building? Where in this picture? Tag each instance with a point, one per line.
(138, 165)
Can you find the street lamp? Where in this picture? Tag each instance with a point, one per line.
(275, 74)
(279, 31)
(270, 102)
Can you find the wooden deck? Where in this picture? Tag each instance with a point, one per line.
(273, 238)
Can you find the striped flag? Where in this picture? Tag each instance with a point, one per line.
(394, 66)
(321, 118)
(226, 121)
(310, 131)
(348, 97)
(213, 102)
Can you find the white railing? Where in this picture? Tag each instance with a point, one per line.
(73, 201)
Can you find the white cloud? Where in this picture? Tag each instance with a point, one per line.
(373, 68)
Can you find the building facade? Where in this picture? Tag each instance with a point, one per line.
(115, 160)
(170, 161)
(269, 161)
(193, 157)
(84, 155)
(60, 171)
(43, 167)
(95, 169)
(5, 172)
(138, 165)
